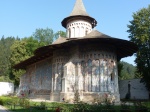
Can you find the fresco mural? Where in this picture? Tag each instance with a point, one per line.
(57, 76)
(98, 75)
(89, 73)
(37, 80)
(95, 75)
(80, 77)
(23, 87)
(70, 78)
(42, 78)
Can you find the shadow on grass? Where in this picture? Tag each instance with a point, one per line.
(31, 110)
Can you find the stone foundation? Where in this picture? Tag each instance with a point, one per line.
(40, 97)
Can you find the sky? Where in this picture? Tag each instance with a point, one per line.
(22, 17)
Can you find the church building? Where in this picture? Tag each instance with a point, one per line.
(84, 61)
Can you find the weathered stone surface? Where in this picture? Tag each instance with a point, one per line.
(91, 72)
(137, 89)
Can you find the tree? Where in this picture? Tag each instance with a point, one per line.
(60, 33)
(120, 67)
(20, 51)
(23, 49)
(126, 70)
(44, 35)
(139, 33)
(5, 67)
(47, 36)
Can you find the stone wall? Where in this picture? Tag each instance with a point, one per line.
(137, 89)
(90, 69)
(37, 80)
(6, 88)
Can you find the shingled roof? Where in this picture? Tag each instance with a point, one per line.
(79, 9)
(96, 34)
(60, 40)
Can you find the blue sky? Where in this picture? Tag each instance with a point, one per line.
(21, 17)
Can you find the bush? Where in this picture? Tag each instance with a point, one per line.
(4, 100)
(1, 102)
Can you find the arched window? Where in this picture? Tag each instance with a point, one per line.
(112, 76)
(86, 31)
(102, 63)
(95, 75)
(73, 32)
(113, 71)
(54, 71)
(83, 67)
(78, 32)
(69, 33)
(89, 68)
(105, 75)
(82, 31)
(84, 75)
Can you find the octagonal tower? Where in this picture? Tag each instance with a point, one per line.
(79, 23)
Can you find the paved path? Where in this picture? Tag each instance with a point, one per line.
(3, 109)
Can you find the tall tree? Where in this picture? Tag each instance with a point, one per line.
(47, 36)
(5, 67)
(139, 30)
(127, 70)
(20, 51)
(60, 33)
(44, 35)
(120, 67)
(24, 48)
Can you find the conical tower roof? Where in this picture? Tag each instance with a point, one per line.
(79, 11)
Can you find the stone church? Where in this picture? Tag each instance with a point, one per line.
(85, 60)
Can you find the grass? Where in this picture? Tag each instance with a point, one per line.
(25, 105)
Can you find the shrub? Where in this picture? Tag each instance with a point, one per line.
(1, 102)
(4, 100)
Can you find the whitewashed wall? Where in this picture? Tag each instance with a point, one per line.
(138, 90)
(78, 28)
(6, 88)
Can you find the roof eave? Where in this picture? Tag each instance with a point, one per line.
(124, 48)
(88, 18)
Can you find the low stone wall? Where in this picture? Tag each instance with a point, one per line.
(6, 88)
(137, 89)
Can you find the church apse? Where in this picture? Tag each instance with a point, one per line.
(91, 70)
(98, 70)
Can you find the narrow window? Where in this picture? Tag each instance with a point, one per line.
(69, 33)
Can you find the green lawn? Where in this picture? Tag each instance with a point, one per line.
(25, 105)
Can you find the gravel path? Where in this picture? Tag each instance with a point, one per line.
(3, 109)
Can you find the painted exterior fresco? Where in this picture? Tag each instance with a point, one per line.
(70, 77)
(89, 71)
(37, 80)
(98, 75)
(57, 73)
